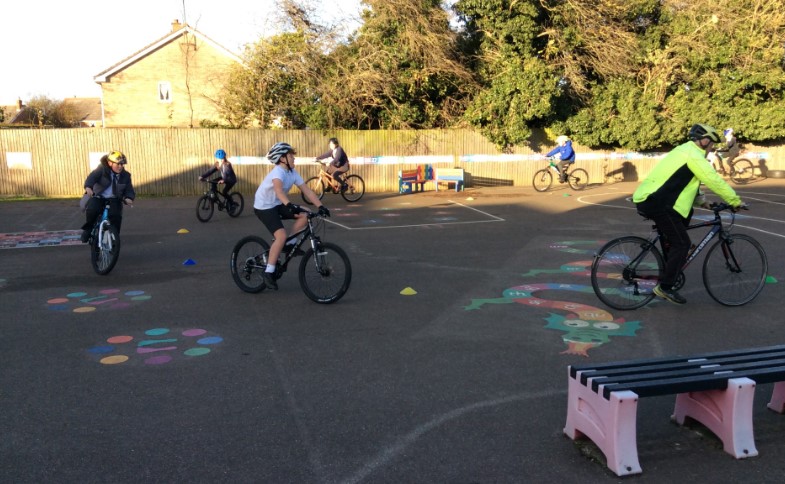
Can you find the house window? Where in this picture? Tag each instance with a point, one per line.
(165, 92)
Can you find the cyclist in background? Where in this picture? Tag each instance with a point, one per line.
(108, 181)
(565, 154)
(730, 150)
(668, 194)
(227, 177)
(272, 206)
(339, 163)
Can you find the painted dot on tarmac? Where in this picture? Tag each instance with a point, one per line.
(158, 360)
(108, 291)
(85, 309)
(119, 339)
(101, 349)
(58, 307)
(196, 351)
(113, 360)
(134, 293)
(194, 332)
(210, 340)
(120, 305)
(141, 298)
(76, 294)
(156, 331)
(58, 300)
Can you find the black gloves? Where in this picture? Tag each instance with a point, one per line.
(323, 211)
(293, 208)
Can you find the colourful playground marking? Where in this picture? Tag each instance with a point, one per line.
(149, 348)
(25, 240)
(111, 298)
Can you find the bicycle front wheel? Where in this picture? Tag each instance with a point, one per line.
(105, 250)
(238, 203)
(325, 274)
(249, 260)
(734, 271)
(742, 171)
(625, 271)
(578, 179)
(204, 208)
(542, 180)
(356, 188)
(315, 184)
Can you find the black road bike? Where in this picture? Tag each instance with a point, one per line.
(625, 270)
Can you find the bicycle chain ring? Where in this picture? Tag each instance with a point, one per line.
(680, 280)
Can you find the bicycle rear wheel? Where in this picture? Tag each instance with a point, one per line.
(742, 171)
(238, 203)
(204, 208)
(625, 271)
(356, 188)
(105, 252)
(578, 179)
(315, 184)
(249, 260)
(734, 271)
(542, 180)
(325, 275)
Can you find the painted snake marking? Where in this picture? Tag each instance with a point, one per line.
(584, 326)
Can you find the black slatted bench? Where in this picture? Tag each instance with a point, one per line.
(715, 389)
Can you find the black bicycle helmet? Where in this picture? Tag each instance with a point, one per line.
(278, 150)
(700, 131)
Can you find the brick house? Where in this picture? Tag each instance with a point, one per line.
(172, 82)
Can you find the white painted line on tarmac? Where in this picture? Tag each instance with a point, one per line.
(493, 218)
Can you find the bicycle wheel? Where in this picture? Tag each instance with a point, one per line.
(249, 260)
(625, 271)
(542, 180)
(105, 251)
(356, 188)
(734, 271)
(315, 184)
(204, 208)
(742, 171)
(325, 275)
(578, 179)
(238, 203)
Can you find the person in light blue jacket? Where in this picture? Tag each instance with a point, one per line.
(565, 155)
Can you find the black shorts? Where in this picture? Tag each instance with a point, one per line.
(273, 218)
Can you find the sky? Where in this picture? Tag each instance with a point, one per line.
(55, 48)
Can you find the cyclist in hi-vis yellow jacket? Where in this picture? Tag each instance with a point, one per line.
(670, 191)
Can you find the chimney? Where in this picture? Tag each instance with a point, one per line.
(176, 25)
(19, 105)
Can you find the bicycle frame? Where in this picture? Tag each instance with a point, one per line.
(716, 228)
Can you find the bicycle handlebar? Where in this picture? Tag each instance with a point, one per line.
(719, 207)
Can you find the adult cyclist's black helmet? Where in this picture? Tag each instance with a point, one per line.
(700, 131)
(278, 150)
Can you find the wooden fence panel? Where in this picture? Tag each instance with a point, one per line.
(168, 161)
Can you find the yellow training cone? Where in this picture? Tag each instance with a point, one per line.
(408, 292)
(470, 198)
(183, 231)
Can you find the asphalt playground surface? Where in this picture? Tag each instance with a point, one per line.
(164, 371)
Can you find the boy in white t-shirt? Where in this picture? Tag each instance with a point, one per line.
(272, 206)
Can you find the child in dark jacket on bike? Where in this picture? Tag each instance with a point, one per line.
(227, 177)
(109, 181)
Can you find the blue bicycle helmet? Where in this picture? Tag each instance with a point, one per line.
(220, 154)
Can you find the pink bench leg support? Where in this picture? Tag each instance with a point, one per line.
(777, 402)
(610, 424)
(727, 413)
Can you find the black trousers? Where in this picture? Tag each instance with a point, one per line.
(675, 240)
(95, 207)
